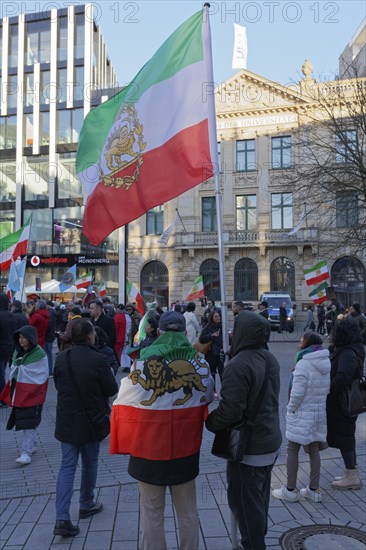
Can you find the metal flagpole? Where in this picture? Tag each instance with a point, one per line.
(220, 233)
(122, 236)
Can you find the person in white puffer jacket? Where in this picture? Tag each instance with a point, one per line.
(306, 416)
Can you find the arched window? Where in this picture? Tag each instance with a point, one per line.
(348, 281)
(155, 283)
(282, 276)
(211, 279)
(246, 280)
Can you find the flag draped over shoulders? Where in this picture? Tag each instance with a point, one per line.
(153, 140)
(162, 404)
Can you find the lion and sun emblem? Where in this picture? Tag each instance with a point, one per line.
(168, 377)
(123, 149)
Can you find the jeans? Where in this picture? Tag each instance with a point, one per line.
(3, 363)
(65, 480)
(48, 349)
(248, 497)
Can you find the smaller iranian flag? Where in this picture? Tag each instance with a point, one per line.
(318, 289)
(14, 245)
(321, 297)
(84, 281)
(134, 296)
(317, 273)
(102, 289)
(196, 291)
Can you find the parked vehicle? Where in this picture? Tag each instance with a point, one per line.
(275, 300)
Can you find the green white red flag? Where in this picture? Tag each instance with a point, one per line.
(159, 402)
(319, 294)
(84, 281)
(134, 296)
(14, 245)
(317, 273)
(196, 291)
(156, 138)
(102, 289)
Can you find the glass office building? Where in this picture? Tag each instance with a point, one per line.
(54, 69)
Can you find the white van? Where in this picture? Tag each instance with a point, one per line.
(275, 300)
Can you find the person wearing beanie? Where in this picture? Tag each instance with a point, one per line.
(26, 389)
(165, 399)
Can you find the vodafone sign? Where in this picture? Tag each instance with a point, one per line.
(35, 261)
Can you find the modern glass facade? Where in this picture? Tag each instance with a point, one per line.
(53, 65)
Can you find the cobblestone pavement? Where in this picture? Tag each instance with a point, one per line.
(27, 494)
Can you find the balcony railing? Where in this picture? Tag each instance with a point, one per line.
(233, 237)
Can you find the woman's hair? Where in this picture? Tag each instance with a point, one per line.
(101, 337)
(210, 319)
(154, 325)
(346, 332)
(310, 339)
(191, 306)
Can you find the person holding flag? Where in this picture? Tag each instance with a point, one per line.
(165, 398)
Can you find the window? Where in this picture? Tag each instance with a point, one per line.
(8, 170)
(13, 46)
(282, 276)
(28, 130)
(79, 37)
(209, 222)
(12, 89)
(155, 283)
(68, 184)
(63, 126)
(36, 176)
(281, 152)
(349, 280)
(45, 90)
(67, 226)
(37, 42)
(29, 89)
(79, 83)
(62, 85)
(246, 212)
(246, 280)
(346, 146)
(281, 211)
(245, 155)
(45, 128)
(62, 40)
(8, 133)
(155, 221)
(210, 272)
(77, 116)
(347, 209)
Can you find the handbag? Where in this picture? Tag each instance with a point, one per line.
(231, 442)
(202, 348)
(353, 398)
(100, 423)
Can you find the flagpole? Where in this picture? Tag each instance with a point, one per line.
(122, 261)
(214, 157)
(181, 221)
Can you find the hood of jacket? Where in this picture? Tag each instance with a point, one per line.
(43, 313)
(4, 304)
(250, 331)
(319, 360)
(29, 332)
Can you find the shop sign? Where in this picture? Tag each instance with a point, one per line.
(83, 260)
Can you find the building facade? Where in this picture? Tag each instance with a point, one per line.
(54, 68)
(271, 231)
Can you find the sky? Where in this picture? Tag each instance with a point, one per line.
(281, 34)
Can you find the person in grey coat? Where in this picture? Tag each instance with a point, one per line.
(249, 479)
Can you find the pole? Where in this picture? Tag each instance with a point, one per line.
(220, 233)
(122, 264)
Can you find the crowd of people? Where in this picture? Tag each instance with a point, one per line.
(169, 385)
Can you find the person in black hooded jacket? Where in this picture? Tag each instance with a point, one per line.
(6, 334)
(243, 377)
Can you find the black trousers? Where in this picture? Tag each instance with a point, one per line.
(248, 497)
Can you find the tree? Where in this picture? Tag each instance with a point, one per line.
(329, 173)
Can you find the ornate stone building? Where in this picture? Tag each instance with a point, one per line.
(258, 123)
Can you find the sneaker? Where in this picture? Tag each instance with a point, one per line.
(284, 494)
(64, 528)
(24, 459)
(316, 495)
(95, 509)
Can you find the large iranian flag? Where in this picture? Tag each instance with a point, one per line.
(162, 404)
(14, 245)
(155, 139)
